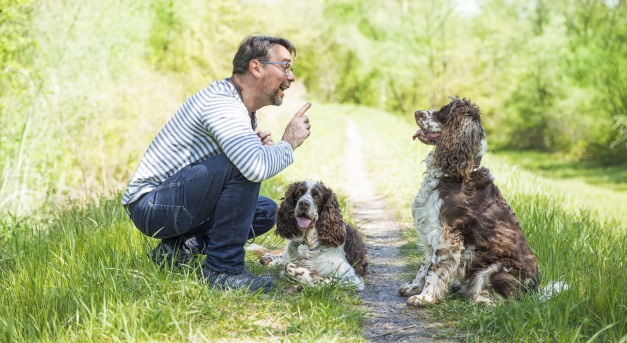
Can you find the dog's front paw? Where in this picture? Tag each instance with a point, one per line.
(409, 289)
(269, 259)
(301, 274)
(421, 300)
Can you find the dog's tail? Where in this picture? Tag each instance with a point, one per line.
(552, 288)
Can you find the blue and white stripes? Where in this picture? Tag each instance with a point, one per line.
(211, 122)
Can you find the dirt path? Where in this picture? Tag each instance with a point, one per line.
(389, 319)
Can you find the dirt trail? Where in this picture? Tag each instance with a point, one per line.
(389, 318)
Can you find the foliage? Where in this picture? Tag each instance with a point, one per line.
(621, 127)
(16, 44)
(18, 88)
(70, 134)
(547, 75)
(566, 101)
(535, 69)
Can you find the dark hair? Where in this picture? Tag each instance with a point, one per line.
(257, 47)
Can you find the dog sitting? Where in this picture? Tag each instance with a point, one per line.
(321, 246)
(467, 229)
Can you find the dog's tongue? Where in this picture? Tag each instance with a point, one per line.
(417, 134)
(303, 222)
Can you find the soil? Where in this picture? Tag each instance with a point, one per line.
(388, 317)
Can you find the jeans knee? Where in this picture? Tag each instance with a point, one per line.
(265, 215)
(266, 208)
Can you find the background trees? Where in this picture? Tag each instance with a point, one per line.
(86, 85)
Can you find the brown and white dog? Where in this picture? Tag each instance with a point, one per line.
(468, 231)
(321, 246)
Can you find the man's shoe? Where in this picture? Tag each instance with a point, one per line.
(173, 253)
(236, 281)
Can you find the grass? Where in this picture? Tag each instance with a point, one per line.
(84, 275)
(558, 167)
(87, 277)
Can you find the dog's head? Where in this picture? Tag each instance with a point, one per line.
(310, 204)
(458, 136)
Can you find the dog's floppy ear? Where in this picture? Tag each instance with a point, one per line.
(461, 139)
(285, 221)
(330, 226)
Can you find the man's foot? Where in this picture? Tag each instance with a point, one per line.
(173, 253)
(236, 281)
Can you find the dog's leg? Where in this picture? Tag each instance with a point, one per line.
(271, 260)
(266, 257)
(476, 284)
(332, 265)
(443, 270)
(346, 274)
(416, 286)
(291, 252)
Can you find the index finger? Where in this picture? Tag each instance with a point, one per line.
(303, 109)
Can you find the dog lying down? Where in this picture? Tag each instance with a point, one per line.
(321, 247)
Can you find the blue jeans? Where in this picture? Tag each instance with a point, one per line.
(212, 201)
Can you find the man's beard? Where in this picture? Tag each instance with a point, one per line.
(275, 98)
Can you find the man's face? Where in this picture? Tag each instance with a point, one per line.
(275, 80)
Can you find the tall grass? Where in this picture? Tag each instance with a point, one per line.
(87, 277)
(78, 126)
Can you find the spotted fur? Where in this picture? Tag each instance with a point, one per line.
(321, 246)
(468, 232)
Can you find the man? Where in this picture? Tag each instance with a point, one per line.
(197, 186)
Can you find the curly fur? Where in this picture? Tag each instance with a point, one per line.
(321, 246)
(461, 138)
(330, 225)
(285, 223)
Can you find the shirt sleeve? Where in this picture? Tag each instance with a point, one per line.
(230, 126)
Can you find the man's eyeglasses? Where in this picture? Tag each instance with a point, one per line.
(286, 67)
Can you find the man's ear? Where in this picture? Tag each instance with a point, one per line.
(254, 67)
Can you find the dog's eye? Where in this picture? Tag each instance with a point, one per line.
(442, 115)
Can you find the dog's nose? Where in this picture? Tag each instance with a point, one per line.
(304, 204)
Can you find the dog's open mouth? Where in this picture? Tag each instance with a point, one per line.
(427, 137)
(303, 221)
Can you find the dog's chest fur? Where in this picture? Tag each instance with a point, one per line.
(427, 204)
(309, 238)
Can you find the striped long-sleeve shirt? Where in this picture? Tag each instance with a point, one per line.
(211, 122)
